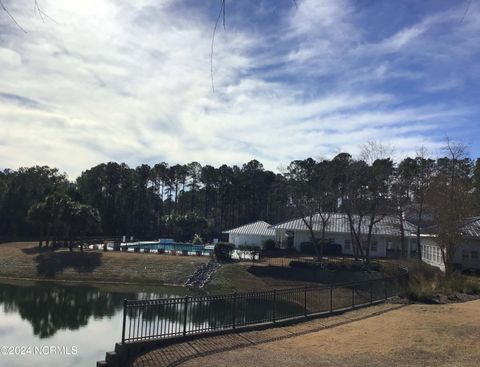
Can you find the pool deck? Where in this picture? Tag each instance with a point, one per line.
(176, 354)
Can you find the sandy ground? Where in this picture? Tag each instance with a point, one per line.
(415, 335)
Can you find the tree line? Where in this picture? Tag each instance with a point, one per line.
(182, 200)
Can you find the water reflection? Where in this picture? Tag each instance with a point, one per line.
(49, 307)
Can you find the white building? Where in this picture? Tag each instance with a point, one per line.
(385, 236)
(250, 234)
(467, 255)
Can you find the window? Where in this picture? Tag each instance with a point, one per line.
(364, 244)
(465, 255)
(474, 255)
(374, 246)
(348, 244)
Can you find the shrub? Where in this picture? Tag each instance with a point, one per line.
(223, 251)
(248, 248)
(460, 283)
(251, 249)
(423, 280)
(268, 245)
(307, 248)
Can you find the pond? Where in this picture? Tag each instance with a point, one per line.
(54, 324)
(57, 324)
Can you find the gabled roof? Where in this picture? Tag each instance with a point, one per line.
(339, 223)
(472, 227)
(259, 228)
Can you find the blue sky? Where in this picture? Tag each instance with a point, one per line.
(130, 81)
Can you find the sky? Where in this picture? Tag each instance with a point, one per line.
(94, 81)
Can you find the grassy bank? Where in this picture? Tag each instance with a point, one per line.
(27, 261)
(243, 277)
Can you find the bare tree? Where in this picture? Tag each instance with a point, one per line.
(373, 150)
(311, 192)
(423, 173)
(449, 196)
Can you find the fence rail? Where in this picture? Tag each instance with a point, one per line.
(181, 316)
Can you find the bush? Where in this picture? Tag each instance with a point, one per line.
(268, 245)
(314, 265)
(423, 280)
(251, 249)
(460, 283)
(307, 248)
(426, 282)
(223, 251)
(332, 249)
(329, 249)
(248, 248)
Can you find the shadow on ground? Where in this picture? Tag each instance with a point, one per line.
(312, 275)
(51, 263)
(39, 250)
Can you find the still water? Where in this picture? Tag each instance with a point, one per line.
(52, 324)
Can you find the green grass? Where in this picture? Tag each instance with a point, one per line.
(233, 277)
(26, 261)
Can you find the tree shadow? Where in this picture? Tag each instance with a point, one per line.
(312, 275)
(39, 250)
(271, 272)
(49, 264)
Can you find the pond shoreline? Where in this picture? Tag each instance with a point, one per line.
(90, 282)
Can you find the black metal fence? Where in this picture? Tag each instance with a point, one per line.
(178, 317)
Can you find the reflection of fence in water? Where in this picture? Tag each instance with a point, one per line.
(176, 317)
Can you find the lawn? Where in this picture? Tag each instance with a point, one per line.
(242, 277)
(415, 335)
(27, 261)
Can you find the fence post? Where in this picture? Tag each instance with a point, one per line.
(234, 310)
(386, 294)
(371, 291)
(185, 316)
(353, 296)
(124, 319)
(305, 302)
(331, 298)
(274, 304)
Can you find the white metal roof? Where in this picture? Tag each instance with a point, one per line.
(259, 228)
(472, 227)
(339, 223)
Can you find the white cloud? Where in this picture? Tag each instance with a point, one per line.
(130, 81)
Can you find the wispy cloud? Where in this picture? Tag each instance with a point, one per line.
(130, 81)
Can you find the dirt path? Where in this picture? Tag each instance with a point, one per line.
(384, 335)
